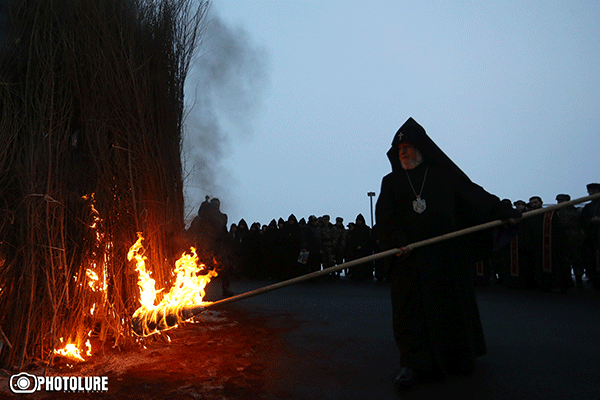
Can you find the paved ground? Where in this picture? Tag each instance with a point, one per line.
(333, 340)
(540, 345)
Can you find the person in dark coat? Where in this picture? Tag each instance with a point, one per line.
(435, 315)
(271, 251)
(252, 253)
(327, 231)
(196, 229)
(291, 244)
(214, 240)
(311, 243)
(237, 240)
(570, 222)
(590, 221)
(340, 242)
(360, 244)
(279, 264)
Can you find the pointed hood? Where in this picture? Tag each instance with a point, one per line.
(413, 133)
(361, 218)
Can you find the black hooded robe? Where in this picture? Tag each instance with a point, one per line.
(435, 315)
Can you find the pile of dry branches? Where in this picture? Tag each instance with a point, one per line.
(91, 108)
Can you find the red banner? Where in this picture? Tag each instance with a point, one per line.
(547, 243)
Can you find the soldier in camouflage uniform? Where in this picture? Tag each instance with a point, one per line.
(340, 242)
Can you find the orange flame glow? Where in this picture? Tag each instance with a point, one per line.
(71, 351)
(96, 274)
(188, 290)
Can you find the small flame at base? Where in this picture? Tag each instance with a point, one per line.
(72, 352)
(187, 290)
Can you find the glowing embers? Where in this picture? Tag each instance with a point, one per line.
(187, 290)
(101, 251)
(91, 281)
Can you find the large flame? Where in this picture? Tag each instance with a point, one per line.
(188, 290)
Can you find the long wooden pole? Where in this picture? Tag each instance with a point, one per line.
(190, 311)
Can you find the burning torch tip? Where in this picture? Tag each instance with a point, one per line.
(145, 324)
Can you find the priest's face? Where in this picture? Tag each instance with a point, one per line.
(409, 155)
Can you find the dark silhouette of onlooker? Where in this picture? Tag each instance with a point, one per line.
(292, 235)
(360, 245)
(340, 242)
(327, 233)
(590, 221)
(572, 247)
(311, 242)
(520, 206)
(270, 249)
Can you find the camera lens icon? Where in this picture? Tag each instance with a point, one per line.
(23, 383)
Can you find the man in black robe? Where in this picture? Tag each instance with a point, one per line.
(435, 316)
(311, 243)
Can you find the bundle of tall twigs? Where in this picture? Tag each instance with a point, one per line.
(91, 108)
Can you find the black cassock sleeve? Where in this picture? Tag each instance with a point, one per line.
(387, 216)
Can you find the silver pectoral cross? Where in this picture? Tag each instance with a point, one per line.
(419, 205)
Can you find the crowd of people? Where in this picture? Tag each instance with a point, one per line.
(543, 252)
(282, 249)
(553, 251)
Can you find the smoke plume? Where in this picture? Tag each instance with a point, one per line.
(223, 92)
